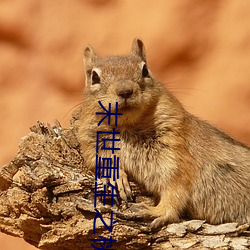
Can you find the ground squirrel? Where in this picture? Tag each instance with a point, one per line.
(190, 166)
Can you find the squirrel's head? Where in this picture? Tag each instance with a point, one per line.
(123, 79)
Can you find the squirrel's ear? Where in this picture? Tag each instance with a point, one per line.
(138, 49)
(89, 57)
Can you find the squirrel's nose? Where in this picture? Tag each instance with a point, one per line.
(125, 93)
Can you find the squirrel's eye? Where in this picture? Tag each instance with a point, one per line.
(95, 78)
(145, 72)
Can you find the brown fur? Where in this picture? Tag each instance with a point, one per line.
(191, 166)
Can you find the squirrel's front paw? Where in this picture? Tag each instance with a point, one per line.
(139, 207)
(160, 215)
(158, 223)
(143, 211)
(123, 186)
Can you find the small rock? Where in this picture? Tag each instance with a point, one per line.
(214, 241)
(220, 229)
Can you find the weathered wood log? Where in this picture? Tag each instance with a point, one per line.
(47, 198)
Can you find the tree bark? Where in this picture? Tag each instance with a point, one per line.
(47, 198)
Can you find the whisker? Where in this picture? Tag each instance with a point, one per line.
(71, 109)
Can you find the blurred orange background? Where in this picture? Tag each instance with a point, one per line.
(200, 49)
